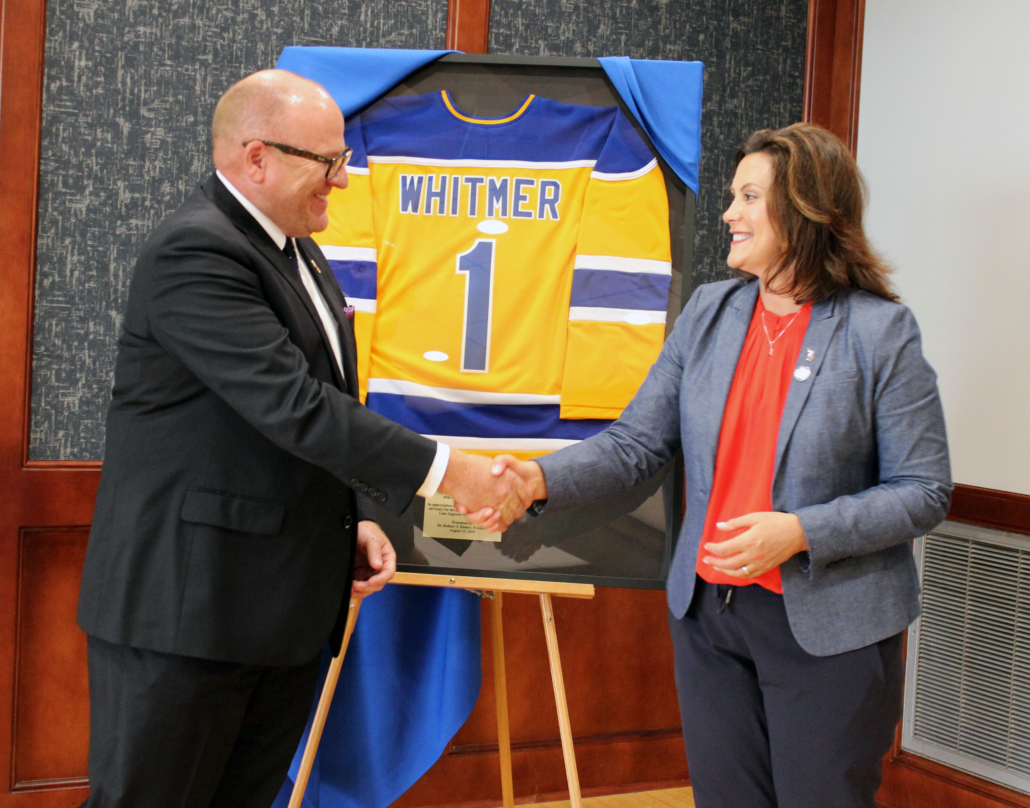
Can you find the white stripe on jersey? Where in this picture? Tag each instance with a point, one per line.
(602, 315)
(333, 253)
(504, 444)
(362, 304)
(400, 388)
(626, 175)
(615, 263)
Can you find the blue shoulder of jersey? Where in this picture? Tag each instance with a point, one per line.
(544, 131)
(354, 134)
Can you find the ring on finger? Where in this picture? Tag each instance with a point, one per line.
(746, 573)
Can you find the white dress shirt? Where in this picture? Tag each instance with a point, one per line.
(443, 452)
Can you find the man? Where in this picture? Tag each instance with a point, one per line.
(227, 531)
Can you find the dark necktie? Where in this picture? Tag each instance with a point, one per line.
(290, 253)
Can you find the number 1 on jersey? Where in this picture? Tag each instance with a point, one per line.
(478, 264)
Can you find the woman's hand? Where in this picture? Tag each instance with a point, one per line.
(770, 539)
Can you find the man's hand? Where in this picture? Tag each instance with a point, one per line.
(474, 487)
(376, 561)
(532, 475)
(769, 539)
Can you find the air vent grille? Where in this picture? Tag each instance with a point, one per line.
(967, 703)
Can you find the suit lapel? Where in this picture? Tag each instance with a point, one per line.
(257, 235)
(821, 327)
(732, 327)
(250, 227)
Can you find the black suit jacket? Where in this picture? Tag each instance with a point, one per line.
(226, 517)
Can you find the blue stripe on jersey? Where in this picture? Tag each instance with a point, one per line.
(430, 416)
(356, 278)
(623, 148)
(548, 131)
(620, 290)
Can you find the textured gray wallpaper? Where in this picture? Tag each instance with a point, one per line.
(129, 90)
(754, 55)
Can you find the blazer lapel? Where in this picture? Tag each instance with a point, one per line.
(732, 327)
(337, 303)
(821, 327)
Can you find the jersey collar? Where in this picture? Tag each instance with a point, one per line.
(485, 121)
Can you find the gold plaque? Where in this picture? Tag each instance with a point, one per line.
(442, 521)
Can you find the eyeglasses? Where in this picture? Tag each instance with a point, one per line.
(333, 164)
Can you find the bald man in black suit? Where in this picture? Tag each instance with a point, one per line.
(228, 535)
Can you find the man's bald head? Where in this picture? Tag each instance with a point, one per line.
(275, 106)
(265, 106)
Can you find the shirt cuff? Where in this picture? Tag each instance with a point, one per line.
(436, 471)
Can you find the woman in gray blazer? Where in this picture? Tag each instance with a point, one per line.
(814, 451)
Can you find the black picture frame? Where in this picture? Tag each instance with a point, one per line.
(623, 541)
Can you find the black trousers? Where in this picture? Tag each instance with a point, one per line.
(768, 725)
(177, 732)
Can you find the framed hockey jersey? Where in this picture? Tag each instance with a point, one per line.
(513, 250)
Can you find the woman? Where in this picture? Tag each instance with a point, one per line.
(814, 448)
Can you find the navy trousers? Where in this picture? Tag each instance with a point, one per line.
(768, 725)
(177, 732)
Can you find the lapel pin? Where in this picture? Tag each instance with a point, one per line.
(810, 355)
(802, 373)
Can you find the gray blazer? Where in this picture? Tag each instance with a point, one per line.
(861, 458)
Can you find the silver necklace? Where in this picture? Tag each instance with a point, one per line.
(782, 331)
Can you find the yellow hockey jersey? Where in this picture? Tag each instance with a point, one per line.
(509, 276)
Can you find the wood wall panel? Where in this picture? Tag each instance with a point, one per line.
(833, 69)
(43, 703)
(911, 781)
(468, 25)
(1000, 510)
(51, 722)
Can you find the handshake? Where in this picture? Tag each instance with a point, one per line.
(492, 493)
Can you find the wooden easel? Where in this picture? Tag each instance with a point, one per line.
(498, 586)
(544, 589)
(318, 724)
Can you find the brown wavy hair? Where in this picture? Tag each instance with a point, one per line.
(815, 204)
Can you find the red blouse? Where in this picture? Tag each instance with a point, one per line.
(750, 428)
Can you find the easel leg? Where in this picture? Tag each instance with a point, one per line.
(559, 698)
(501, 697)
(311, 748)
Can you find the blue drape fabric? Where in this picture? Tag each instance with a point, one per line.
(410, 678)
(355, 77)
(664, 97)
